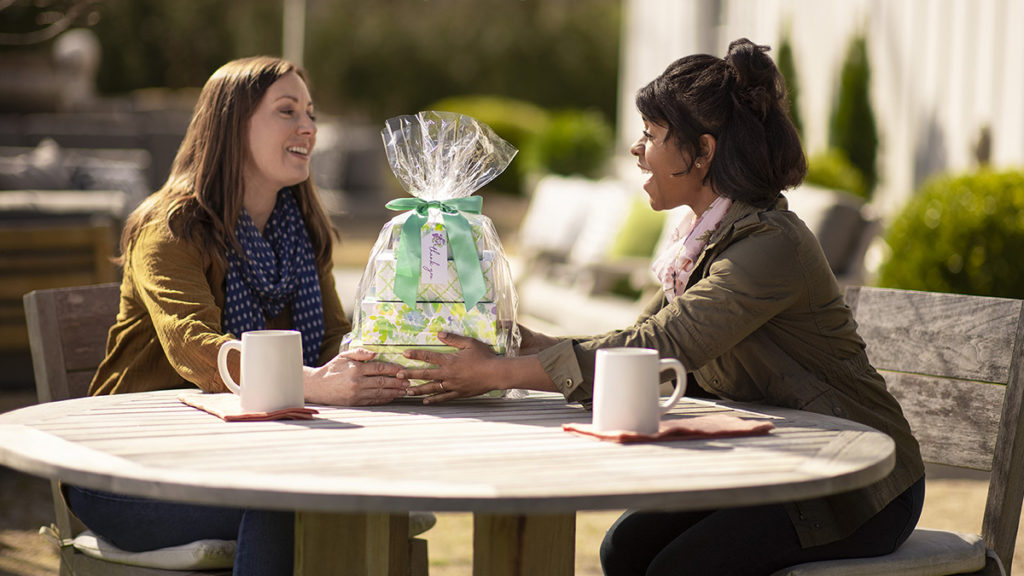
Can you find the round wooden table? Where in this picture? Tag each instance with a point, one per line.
(359, 469)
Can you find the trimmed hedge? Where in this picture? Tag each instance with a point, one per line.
(832, 169)
(574, 142)
(961, 234)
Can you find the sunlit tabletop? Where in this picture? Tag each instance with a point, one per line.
(507, 461)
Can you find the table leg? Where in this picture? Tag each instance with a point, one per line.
(358, 544)
(522, 545)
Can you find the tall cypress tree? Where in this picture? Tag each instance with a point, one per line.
(787, 67)
(853, 128)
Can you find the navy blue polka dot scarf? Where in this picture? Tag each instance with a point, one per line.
(279, 269)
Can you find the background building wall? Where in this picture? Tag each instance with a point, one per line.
(942, 71)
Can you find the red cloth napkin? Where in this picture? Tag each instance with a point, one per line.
(228, 407)
(714, 426)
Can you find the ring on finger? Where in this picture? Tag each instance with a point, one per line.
(441, 384)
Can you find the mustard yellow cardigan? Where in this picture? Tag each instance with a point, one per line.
(168, 327)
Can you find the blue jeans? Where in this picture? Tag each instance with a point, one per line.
(753, 541)
(266, 539)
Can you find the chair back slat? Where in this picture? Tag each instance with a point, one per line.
(86, 316)
(952, 419)
(68, 334)
(956, 365)
(948, 335)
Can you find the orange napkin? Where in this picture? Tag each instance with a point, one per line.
(714, 426)
(228, 407)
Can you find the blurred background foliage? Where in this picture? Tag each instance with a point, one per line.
(395, 56)
(542, 73)
(786, 63)
(852, 127)
(832, 169)
(961, 233)
(371, 59)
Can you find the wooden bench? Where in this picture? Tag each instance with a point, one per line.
(48, 253)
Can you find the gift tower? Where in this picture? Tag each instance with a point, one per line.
(439, 265)
(390, 324)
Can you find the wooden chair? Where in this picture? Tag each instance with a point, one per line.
(67, 329)
(956, 364)
(68, 333)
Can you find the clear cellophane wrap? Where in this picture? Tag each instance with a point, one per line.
(438, 264)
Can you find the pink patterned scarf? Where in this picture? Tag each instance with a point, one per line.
(674, 266)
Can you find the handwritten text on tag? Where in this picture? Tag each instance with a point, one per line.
(434, 259)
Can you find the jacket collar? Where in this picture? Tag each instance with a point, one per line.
(739, 216)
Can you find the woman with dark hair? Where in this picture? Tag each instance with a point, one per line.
(235, 240)
(749, 305)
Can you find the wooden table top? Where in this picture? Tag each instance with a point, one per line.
(482, 455)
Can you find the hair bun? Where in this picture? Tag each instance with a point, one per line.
(758, 82)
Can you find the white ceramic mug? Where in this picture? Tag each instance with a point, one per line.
(271, 370)
(626, 389)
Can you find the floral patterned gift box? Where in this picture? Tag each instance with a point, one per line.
(399, 324)
(394, 354)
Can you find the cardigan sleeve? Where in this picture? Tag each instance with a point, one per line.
(172, 283)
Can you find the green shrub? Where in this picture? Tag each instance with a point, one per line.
(962, 234)
(574, 142)
(831, 169)
(516, 121)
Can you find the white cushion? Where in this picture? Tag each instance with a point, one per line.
(555, 215)
(925, 553)
(605, 205)
(198, 555)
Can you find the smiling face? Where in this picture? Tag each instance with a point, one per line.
(675, 178)
(282, 133)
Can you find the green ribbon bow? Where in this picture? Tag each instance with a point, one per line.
(460, 238)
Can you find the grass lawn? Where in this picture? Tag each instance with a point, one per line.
(450, 543)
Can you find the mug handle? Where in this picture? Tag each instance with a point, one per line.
(677, 367)
(222, 364)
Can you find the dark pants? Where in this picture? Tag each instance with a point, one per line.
(755, 540)
(266, 539)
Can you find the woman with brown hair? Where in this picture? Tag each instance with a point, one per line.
(235, 240)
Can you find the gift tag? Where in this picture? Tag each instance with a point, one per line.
(434, 257)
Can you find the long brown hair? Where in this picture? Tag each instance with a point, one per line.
(202, 197)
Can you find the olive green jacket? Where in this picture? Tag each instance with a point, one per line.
(763, 320)
(168, 327)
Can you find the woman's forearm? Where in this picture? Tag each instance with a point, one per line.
(523, 372)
